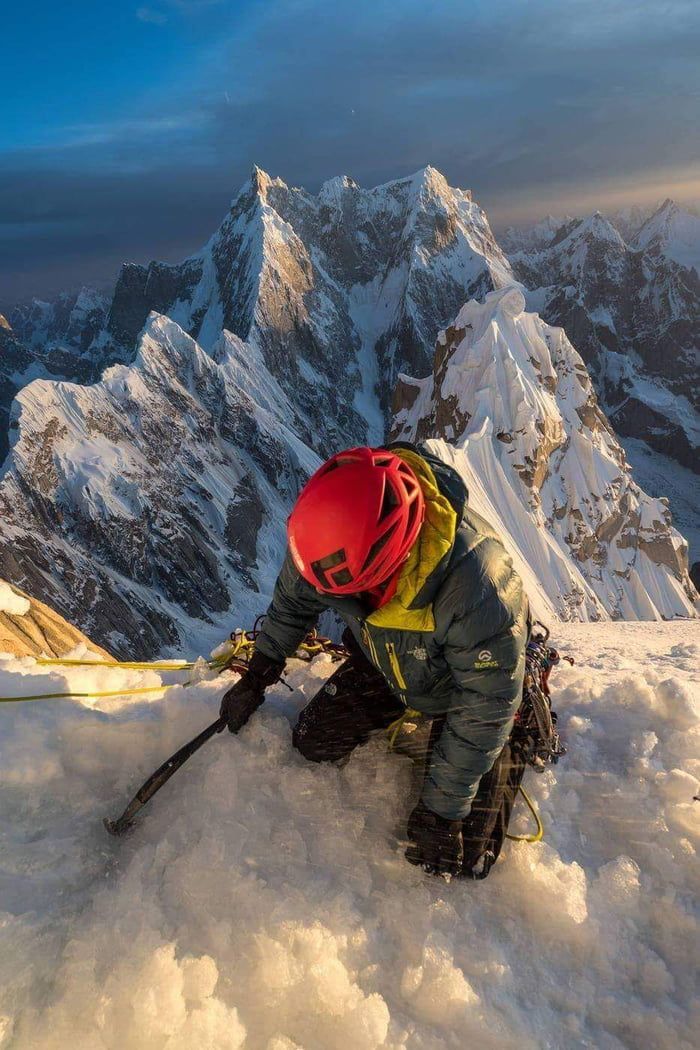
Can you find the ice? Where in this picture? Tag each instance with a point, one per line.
(263, 902)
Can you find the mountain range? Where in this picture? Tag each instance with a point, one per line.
(157, 437)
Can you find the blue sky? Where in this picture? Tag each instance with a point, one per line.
(128, 127)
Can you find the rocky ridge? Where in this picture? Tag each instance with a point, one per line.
(28, 627)
(348, 286)
(513, 408)
(141, 505)
(633, 312)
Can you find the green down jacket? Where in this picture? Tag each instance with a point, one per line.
(451, 642)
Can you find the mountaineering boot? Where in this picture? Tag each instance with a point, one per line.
(436, 843)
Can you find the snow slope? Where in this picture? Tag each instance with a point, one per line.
(511, 406)
(142, 506)
(11, 602)
(263, 903)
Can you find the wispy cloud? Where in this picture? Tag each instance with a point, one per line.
(151, 16)
(518, 101)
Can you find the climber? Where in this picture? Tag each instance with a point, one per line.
(436, 621)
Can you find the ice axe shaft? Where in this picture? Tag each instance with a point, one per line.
(160, 777)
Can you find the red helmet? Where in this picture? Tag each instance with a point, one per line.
(355, 521)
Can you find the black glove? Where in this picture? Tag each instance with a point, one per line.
(437, 842)
(246, 696)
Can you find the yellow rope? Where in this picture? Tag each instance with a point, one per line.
(538, 835)
(86, 696)
(395, 727)
(240, 647)
(127, 665)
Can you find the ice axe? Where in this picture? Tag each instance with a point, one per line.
(160, 777)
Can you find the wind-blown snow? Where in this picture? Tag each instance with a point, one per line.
(264, 903)
(12, 603)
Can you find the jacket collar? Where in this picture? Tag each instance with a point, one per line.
(410, 609)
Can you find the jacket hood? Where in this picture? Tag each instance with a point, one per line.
(445, 497)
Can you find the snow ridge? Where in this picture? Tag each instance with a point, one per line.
(142, 504)
(515, 410)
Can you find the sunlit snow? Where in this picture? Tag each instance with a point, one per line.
(263, 902)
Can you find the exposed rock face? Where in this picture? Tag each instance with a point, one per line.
(633, 312)
(140, 503)
(695, 575)
(514, 400)
(349, 286)
(36, 630)
(15, 361)
(137, 504)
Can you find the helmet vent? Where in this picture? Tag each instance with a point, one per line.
(376, 547)
(389, 502)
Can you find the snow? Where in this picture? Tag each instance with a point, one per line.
(12, 603)
(533, 238)
(674, 232)
(623, 370)
(264, 902)
(511, 407)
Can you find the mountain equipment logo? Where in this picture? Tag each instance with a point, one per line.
(419, 653)
(485, 660)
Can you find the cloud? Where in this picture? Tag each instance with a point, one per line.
(518, 101)
(150, 15)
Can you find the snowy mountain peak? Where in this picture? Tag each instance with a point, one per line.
(514, 400)
(430, 180)
(674, 232)
(633, 312)
(154, 485)
(332, 190)
(533, 238)
(371, 272)
(596, 227)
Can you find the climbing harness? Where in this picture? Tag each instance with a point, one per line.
(535, 736)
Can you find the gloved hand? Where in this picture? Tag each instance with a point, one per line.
(436, 842)
(246, 696)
